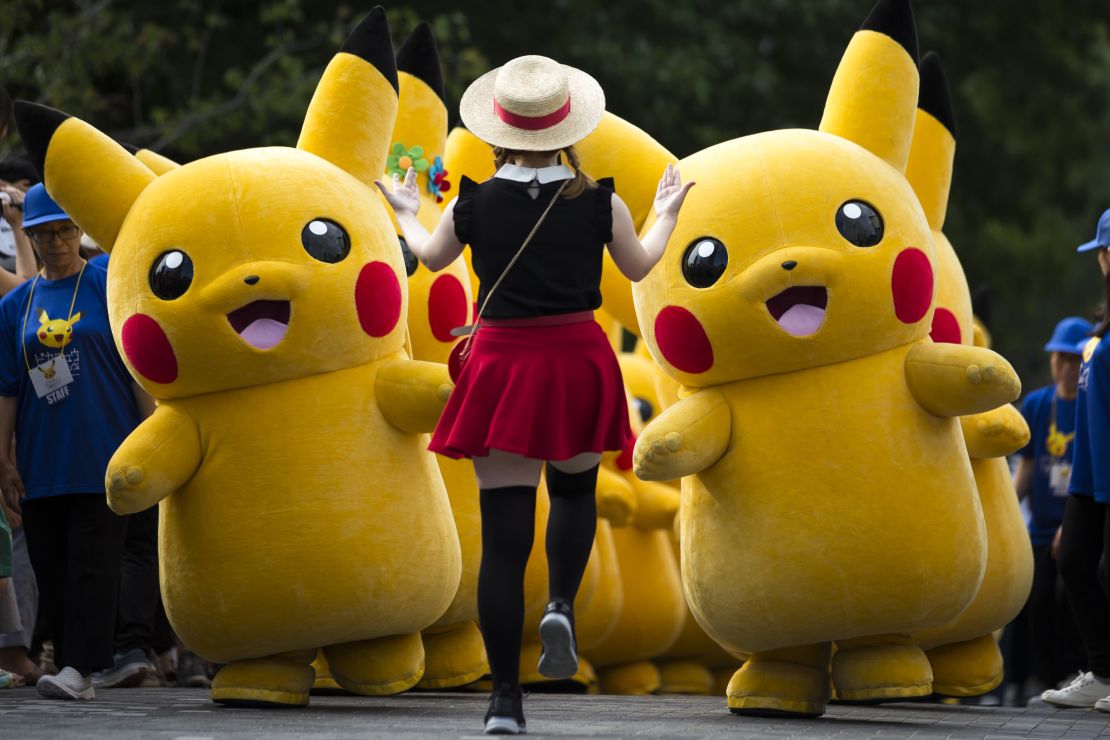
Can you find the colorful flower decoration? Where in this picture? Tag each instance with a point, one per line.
(401, 158)
(438, 184)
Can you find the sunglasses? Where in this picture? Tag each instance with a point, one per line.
(45, 236)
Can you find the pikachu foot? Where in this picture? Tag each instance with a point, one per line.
(685, 677)
(631, 679)
(789, 682)
(454, 657)
(324, 683)
(387, 665)
(277, 681)
(880, 668)
(971, 668)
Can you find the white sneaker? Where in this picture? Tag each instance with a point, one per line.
(69, 684)
(1103, 705)
(1083, 692)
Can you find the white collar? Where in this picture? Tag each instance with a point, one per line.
(543, 175)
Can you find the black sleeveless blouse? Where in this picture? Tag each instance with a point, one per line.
(560, 270)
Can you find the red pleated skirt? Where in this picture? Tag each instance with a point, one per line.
(541, 391)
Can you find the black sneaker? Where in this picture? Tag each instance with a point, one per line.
(506, 711)
(559, 658)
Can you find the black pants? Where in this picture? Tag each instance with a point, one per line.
(1083, 543)
(1054, 644)
(76, 544)
(141, 618)
(508, 528)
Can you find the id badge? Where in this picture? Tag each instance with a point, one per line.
(1059, 475)
(51, 380)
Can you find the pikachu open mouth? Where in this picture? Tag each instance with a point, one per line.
(800, 310)
(261, 324)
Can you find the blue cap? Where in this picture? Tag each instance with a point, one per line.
(1070, 336)
(1102, 234)
(40, 208)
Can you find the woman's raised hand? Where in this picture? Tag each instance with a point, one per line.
(404, 197)
(671, 192)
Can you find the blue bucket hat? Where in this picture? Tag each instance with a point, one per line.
(1102, 234)
(1070, 336)
(40, 208)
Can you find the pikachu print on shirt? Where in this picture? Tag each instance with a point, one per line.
(52, 367)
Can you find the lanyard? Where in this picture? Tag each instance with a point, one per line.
(27, 313)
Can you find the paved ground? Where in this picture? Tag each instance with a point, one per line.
(186, 714)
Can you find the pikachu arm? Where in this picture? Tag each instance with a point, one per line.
(687, 438)
(616, 501)
(658, 505)
(412, 393)
(995, 433)
(951, 380)
(156, 459)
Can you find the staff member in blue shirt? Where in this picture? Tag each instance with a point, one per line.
(1043, 475)
(67, 396)
(1085, 535)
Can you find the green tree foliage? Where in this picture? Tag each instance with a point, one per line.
(1031, 82)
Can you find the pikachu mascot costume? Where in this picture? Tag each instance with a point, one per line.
(652, 608)
(299, 507)
(829, 494)
(690, 665)
(439, 302)
(964, 655)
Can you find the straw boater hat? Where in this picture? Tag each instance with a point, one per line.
(533, 104)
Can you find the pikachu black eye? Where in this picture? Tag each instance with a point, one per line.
(171, 275)
(704, 262)
(644, 408)
(325, 240)
(411, 263)
(859, 223)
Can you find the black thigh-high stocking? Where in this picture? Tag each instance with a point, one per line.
(570, 529)
(508, 528)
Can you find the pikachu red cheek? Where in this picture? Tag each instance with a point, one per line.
(946, 329)
(447, 307)
(682, 340)
(148, 349)
(911, 285)
(378, 299)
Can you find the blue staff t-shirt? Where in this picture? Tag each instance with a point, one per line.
(65, 438)
(1091, 460)
(1052, 425)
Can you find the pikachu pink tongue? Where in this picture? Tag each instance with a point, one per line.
(802, 320)
(264, 333)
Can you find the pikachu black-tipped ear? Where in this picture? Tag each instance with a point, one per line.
(93, 179)
(873, 95)
(422, 113)
(419, 58)
(934, 142)
(351, 115)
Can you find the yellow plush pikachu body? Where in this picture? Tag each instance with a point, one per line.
(827, 493)
(688, 666)
(652, 610)
(964, 654)
(438, 303)
(299, 507)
